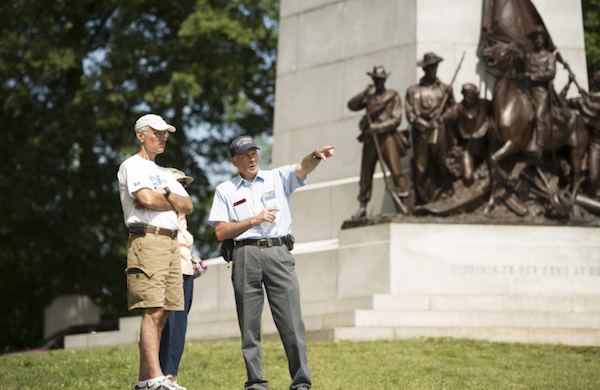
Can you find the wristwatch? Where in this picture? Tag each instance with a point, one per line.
(314, 155)
(168, 192)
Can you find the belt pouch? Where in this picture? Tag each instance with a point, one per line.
(226, 249)
(289, 241)
(137, 228)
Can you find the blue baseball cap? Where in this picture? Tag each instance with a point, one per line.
(241, 144)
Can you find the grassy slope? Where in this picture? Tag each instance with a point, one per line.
(422, 364)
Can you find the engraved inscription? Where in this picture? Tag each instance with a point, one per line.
(525, 270)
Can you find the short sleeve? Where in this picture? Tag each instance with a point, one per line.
(133, 178)
(290, 180)
(219, 211)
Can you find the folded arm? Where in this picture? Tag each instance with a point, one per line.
(155, 200)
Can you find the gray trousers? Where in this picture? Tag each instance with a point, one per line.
(274, 268)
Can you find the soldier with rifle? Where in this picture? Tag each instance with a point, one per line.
(381, 139)
(425, 102)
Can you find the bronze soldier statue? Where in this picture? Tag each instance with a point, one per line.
(588, 106)
(383, 116)
(424, 105)
(470, 122)
(540, 67)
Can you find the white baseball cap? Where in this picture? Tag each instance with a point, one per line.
(155, 122)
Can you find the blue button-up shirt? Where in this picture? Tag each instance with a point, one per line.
(238, 199)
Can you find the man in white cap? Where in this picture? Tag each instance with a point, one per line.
(151, 198)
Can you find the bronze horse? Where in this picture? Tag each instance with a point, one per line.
(511, 115)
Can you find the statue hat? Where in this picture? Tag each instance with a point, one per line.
(379, 71)
(429, 59)
(538, 29)
(470, 87)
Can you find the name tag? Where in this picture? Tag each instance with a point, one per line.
(239, 202)
(269, 199)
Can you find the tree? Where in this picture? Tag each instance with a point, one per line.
(76, 74)
(591, 26)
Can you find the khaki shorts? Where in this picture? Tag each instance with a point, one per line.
(153, 271)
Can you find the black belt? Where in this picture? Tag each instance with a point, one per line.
(262, 243)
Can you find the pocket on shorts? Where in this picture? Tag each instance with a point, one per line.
(141, 288)
(138, 273)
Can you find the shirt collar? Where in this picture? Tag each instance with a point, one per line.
(239, 180)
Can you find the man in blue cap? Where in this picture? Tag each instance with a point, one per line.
(253, 210)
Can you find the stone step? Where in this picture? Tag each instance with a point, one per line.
(574, 336)
(102, 339)
(487, 303)
(384, 316)
(381, 318)
(130, 324)
(442, 303)
(376, 319)
(308, 308)
(212, 316)
(213, 330)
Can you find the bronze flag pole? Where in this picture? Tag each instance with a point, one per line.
(445, 99)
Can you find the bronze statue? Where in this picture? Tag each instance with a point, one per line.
(512, 114)
(470, 122)
(425, 102)
(588, 106)
(525, 147)
(540, 68)
(381, 138)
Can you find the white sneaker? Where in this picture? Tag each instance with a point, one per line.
(175, 385)
(164, 384)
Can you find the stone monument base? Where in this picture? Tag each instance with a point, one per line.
(530, 284)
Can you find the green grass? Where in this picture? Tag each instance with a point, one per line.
(424, 363)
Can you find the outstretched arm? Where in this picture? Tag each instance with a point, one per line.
(310, 162)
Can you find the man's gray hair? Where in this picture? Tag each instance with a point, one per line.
(145, 129)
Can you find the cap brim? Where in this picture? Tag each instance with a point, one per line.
(187, 179)
(162, 126)
(423, 64)
(244, 149)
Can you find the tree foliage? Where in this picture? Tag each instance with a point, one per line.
(74, 77)
(591, 25)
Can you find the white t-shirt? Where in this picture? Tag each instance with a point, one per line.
(136, 173)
